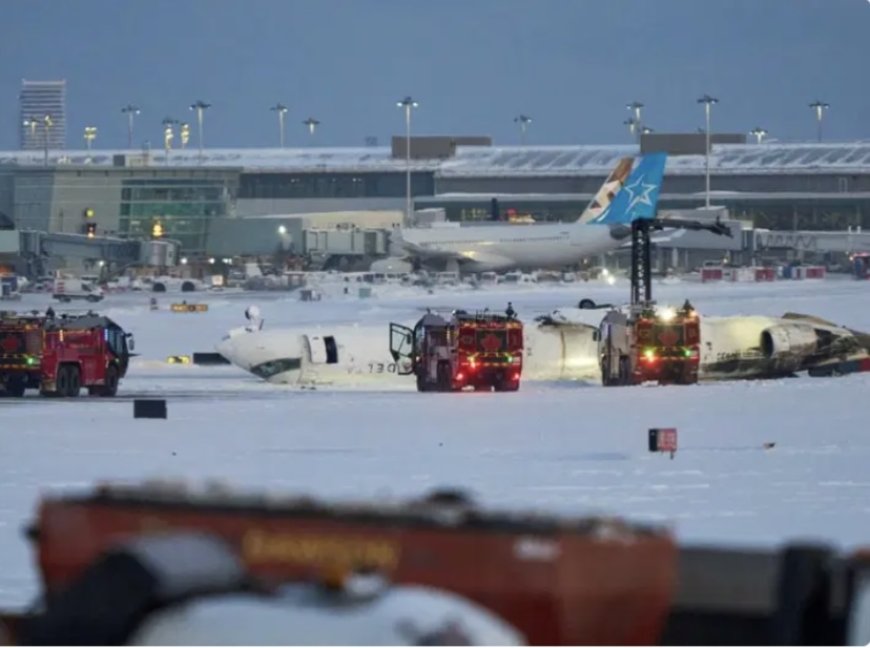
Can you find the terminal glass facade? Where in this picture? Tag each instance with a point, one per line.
(334, 185)
(182, 207)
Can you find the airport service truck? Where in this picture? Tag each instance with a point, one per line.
(67, 289)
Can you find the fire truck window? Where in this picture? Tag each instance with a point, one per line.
(331, 350)
(116, 341)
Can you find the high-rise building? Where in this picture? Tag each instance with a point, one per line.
(38, 100)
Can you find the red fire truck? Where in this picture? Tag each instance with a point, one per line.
(483, 351)
(60, 355)
(661, 345)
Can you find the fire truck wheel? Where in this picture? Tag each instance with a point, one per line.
(62, 381)
(110, 388)
(444, 377)
(624, 371)
(74, 382)
(15, 388)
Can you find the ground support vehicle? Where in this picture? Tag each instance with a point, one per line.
(61, 355)
(648, 344)
(65, 290)
(483, 351)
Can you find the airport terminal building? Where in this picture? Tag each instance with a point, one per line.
(227, 202)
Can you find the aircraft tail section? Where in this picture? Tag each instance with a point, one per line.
(608, 191)
(639, 196)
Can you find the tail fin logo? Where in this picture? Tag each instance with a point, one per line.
(639, 192)
(639, 195)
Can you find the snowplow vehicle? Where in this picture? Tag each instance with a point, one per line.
(483, 351)
(61, 355)
(554, 580)
(650, 344)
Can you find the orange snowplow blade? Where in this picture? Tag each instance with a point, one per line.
(558, 581)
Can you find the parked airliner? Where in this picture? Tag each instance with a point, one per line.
(508, 247)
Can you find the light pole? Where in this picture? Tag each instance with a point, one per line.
(131, 111)
(708, 102)
(523, 121)
(47, 123)
(90, 136)
(32, 124)
(759, 133)
(636, 106)
(820, 107)
(200, 107)
(185, 134)
(168, 135)
(407, 103)
(646, 130)
(632, 126)
(312, 125)
(281, 109)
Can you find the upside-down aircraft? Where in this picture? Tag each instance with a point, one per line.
(605, 225)
(562, 345)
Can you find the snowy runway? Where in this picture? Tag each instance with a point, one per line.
(563, 447)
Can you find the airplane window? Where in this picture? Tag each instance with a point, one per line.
(274, 367)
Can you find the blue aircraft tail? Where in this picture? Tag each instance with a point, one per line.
(639, 195)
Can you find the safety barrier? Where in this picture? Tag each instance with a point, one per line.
(803, 272)
(751, 273)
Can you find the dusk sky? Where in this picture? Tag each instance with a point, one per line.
(473, 65)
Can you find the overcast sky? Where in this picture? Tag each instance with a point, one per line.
(473, 65)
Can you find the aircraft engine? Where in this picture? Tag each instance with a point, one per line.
(788, 340)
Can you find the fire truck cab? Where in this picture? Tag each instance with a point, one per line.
(483, 351)
(61, 355)
(650, 344)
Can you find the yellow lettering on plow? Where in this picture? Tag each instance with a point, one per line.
(262, 547)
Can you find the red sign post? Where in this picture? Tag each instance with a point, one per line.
(663, 440)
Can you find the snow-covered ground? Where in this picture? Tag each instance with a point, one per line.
(561, 447)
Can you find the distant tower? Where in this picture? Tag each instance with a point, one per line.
(38, 99)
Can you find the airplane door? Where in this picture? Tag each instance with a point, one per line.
(323, 350)
(401, 346)
(331, 350)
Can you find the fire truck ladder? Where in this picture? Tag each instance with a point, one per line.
(641, 250)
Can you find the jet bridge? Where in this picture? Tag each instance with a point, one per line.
(38, 248)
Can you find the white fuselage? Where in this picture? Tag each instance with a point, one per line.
(362, 356)
(563, 349)
(506, 247)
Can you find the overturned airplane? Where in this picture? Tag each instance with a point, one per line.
(562, 345)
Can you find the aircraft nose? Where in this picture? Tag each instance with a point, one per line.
(228, 349)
